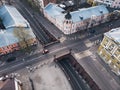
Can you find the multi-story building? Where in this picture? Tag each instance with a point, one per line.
(110, 3)
(116, 4)
(11, 21)
(71, 22)
(109, 49)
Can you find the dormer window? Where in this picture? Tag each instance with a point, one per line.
(81, 17)
(101, 12)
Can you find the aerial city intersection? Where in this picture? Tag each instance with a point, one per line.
(59, 44)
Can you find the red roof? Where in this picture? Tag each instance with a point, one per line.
(8, 84)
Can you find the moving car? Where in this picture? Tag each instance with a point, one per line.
(45, 51)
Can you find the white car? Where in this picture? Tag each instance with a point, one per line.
(45, 51)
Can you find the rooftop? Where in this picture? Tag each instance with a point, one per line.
(12, 19)
(56, 12)
(114, 34)
(8, 84)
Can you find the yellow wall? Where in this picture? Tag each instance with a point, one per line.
(113, 55)
(90, 2)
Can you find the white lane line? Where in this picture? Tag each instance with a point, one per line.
(10, 67)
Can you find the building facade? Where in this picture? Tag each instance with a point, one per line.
(110, 3)
(12, 22)
(43, 3)
(109, 49)
(71, 22)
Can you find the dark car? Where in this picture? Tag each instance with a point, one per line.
(11, 59)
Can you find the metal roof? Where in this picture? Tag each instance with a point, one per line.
(8, 84)
(12, 19)
(114, 34)
(55, 11)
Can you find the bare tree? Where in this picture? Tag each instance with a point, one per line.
(23, 35)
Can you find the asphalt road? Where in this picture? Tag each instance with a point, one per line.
(58, 49)
(38, 30)
(11, 67)
(61, 49)
(76, 82)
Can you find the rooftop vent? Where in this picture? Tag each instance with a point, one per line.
(101, 11)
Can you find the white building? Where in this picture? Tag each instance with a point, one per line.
(110, 3)
(74, 21)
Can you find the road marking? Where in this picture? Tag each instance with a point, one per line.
(88, 43)
(82, 54)
(102, 69)
(11, 67)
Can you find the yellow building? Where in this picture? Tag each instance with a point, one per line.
(90, 2)
(109, 49)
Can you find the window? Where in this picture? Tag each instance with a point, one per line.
(117, 53)
(66, 22)
(111, 47)
(105, 42)
(118, 63)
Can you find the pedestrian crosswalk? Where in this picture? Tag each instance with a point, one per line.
(82, 54)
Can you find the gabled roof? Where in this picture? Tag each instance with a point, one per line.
(11, 17)
(114, 34)
(54, 11)
(7, 84)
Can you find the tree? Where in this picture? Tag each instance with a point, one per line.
(23, 35)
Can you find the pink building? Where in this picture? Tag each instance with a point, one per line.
(110, 3)
(116, 4)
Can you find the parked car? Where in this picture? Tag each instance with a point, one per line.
(11, 59)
